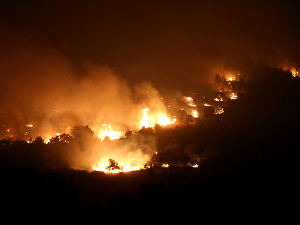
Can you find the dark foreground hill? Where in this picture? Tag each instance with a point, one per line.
(169, 192)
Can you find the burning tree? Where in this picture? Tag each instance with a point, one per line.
(113, 165)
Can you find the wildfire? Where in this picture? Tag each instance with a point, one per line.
(195, 113)
(163, 120)
(128, 169)
(219, 111)
(159, 118)
(295, 73)
(233, 96)
(145, 121)
(218, 99)
(191, 101)
(108, 132)
(100, 167)
(104, 168)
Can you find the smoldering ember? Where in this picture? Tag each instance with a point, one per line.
(149, 107)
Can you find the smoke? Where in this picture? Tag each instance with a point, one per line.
(134, 151)
(40, 88)
(172, 46)
(94, 64)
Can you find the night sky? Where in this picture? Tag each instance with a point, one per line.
(172, 44)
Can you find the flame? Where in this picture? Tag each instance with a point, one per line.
(233, 96)
(218, 99)
(127, 168)
(295, 73)
(103, 168)
(163, 120)
(156, 118)
(191, 101)
(219, 111)
(145, 121)
(108, 132)
(195, 113)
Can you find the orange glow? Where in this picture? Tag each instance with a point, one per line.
(145, 121)
(233, 96)
(163, 120)
(218, 99)
(219, 111)
(191, 101)
(103, 168)
(295, 73)
(108, 132)
(195, 113)
(155, 118)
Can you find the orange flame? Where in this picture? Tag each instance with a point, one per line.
(233, 96)
(108, 132)
(195, 113)
(157, 118)
(191, 101)
(103, 168)
(145, 121)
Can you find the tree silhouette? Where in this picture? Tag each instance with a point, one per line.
(187, 118)
(65, 137)
(208, 111)
(218, 79)
(146, 130)
(82, 132)
(113, 165)
(38, 140)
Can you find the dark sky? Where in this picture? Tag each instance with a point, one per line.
(172, 44)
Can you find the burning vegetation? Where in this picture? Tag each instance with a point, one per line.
(144, 108)
(244, 136)
(149, 141)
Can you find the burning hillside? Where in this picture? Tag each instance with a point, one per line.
(199, 98)
(122, 127)
(42, 95)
